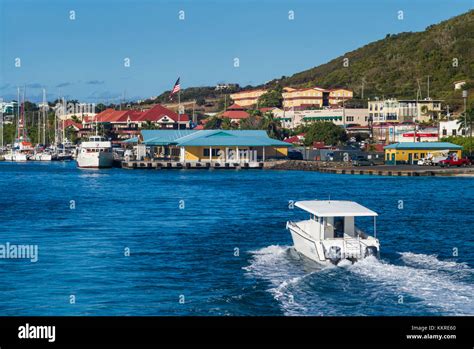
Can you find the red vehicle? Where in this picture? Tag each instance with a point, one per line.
(454, 161)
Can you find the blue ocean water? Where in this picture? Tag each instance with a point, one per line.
(214, 243)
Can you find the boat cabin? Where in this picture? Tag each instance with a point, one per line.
(334, 219)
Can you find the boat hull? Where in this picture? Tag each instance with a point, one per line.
(42, 157)
(95, 160)
(308, 247)
(16, 157)
(326, 252)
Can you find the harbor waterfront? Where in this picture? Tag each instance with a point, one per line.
(190, 242)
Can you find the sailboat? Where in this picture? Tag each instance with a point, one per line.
(22, 146)
(41, 154)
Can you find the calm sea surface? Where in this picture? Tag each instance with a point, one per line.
(214, 243)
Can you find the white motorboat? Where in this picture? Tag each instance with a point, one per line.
(330, 234)
(42, 156)
(16, 156)
(95, 153)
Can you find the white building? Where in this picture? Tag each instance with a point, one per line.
(451, 128)
(459, 84)
(393, 110)
(339, 116)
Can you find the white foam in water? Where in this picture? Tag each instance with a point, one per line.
(434, 282)
(432, 262)
(433, 287)
(273, 264)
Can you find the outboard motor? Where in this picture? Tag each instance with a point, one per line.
(334, 254)
(371, 251)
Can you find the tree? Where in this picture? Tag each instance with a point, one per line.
(75, 119)
(272, 98)
(100, 108)
(253, 122)
(149, 125)
(327, 132)
(466, 121)
(200, 101)
(227, 124)
(272, 126)
(213, 123)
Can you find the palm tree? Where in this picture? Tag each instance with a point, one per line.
(466, 120)
(272, 125)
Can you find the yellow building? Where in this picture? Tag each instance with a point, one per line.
(314, 97)
(411, 152)
(338, 95)
(227, 146)
(303, 97)
(247, 98)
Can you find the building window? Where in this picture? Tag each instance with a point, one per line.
(454, 132)
(350, 118)
(206, 151)
(445, 132)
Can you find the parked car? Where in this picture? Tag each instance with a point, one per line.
(361, 160)
(452, 161)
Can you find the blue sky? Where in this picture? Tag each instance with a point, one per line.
(84, 58)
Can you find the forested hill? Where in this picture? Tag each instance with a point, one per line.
(391, 66)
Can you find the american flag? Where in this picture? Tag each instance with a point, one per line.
(176, 88)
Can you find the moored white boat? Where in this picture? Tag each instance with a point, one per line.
(16, 156)
(330, 234)
(42, 157)
(95, 153)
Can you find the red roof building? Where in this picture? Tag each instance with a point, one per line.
(235, 113)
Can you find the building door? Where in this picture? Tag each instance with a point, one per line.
(410, 158)
(393, 159)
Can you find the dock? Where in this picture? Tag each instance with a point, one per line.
(191, 165)
(378, 170)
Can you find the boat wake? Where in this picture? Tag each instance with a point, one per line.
(419, 285)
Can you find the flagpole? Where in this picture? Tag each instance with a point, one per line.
(179, 107)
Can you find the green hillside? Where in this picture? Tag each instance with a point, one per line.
(391, 66)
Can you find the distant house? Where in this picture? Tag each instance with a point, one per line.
(235, 113)
(247, 98)
(127, 123)
(164, 118)
(459, 84)
(304, 98)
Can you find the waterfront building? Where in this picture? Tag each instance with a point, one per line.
(411, 152)
(399, 111)
(212, 145)
(247, 98)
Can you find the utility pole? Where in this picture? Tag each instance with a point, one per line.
(464, 96)
(428, 92)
